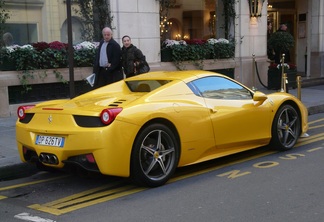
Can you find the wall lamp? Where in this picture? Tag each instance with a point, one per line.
(256, 7)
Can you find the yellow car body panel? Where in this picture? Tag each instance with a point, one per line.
(206, 128)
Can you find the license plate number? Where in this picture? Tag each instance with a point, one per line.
(50, 141)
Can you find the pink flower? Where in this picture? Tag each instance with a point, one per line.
(39, 46)
(58, 45)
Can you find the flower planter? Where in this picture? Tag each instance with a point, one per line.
(274, 78)
(45, 91)
(196, 49)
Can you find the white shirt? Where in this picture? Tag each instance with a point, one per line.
(103, 59)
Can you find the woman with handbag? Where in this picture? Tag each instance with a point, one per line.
(133, 60)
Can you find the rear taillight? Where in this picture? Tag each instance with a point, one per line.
(21, 111)
(90, 158)
(109, 115)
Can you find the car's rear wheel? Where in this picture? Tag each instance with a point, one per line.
(285, 128)
(155, 156)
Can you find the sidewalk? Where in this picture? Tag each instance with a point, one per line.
(10, 163)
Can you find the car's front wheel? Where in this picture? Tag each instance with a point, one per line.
(155, 155)
(285, 128)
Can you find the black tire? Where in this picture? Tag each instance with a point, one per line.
(285, 128)
(155, 156)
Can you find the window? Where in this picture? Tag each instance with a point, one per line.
(188, 19)
(22, 33)
(219, 88)
(77, 29)
(145, 85)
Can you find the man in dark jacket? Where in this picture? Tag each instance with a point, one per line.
(107, 65)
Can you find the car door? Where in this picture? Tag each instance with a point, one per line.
(238, 121)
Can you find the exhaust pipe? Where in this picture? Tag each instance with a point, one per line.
(48, 158)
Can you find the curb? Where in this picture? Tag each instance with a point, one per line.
(18, 170)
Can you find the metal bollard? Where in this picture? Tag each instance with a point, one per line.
(299, 87)
(253, 73)
(284, 82)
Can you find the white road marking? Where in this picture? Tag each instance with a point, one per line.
(28, 217)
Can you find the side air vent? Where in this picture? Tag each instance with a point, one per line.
(117, 103)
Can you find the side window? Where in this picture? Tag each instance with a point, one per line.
(145, 85)
(220, 88)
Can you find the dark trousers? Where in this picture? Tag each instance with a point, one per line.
(105, 77)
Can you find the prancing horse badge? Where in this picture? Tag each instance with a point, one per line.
(50, 119)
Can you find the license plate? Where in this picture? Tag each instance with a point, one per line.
(50, 141)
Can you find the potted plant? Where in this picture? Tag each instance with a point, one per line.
(280, 43)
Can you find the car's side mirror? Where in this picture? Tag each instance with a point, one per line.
(259, 96)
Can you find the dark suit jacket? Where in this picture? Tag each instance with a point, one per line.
(114, 58)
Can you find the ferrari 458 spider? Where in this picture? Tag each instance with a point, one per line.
(146, 126)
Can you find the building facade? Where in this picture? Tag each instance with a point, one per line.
(46, 20)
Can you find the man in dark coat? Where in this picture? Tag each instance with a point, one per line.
(107, 65)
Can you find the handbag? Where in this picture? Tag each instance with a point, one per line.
(145, 68)
(141, 66)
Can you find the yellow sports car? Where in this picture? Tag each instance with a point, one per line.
(145, 126)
